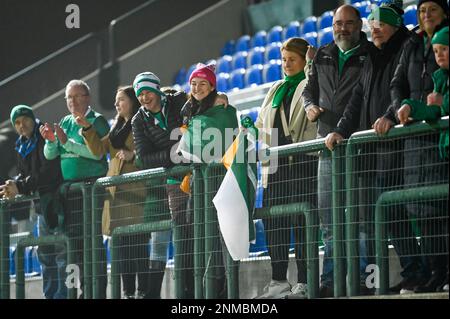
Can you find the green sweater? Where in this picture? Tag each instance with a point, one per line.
(77, 162)
(421, 111)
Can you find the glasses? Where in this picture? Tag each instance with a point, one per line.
(74, 97)
(346, 24)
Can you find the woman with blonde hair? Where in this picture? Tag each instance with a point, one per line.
(282, 112)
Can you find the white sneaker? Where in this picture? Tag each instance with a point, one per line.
(299, 291)
(276, 290)
(404, 291)
(445, 288)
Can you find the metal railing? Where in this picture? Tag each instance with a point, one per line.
(345, 226)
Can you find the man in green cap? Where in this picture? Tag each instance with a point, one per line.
(37, 174)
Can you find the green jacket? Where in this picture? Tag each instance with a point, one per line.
(77, 162)
(421, 111)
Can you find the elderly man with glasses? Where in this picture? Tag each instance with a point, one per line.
(77, 162)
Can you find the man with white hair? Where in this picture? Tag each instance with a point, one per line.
(77, 162)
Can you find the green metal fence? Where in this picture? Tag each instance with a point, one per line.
(210, 259)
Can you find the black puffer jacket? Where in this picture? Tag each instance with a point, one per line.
(326, 89)
(371, 96)
(36, 173)
(153, 144)
(412, 77)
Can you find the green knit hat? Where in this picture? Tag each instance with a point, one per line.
(387, 15)
(21, 110)
(147, 81)
(441, 37)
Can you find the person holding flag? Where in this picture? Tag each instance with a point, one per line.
(282, 120)
(209, 127)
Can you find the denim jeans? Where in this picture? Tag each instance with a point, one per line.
(53, 261)
(159, 244)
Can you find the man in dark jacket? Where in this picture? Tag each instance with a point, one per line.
(37, 174)
(370, 100)
(332, 76)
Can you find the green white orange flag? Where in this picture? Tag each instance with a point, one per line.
(235, 198)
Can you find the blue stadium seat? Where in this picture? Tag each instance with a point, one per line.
(253, 76)
(309, 25)
(272, 71)
(180, 76)
(325, 36)
(256, 56)
(27, 260)
(12, 261)
(292, 30)
(35, 264)
(259, 39)
(252, 113)
(311, 37)
(224, 64)
(108, 251)
(223, 82)
(275, 34)
(260, 242)
(243, 43)
(240, 60)
(229, 48)
(326, 20)
(186, 87)
(189, 72)
(410, 16)
(364, 8)
(273, 51)
(237, 79)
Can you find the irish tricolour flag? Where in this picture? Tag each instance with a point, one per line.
(235, 198)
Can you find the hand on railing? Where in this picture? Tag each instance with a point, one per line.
(382, 125)
(332, 139)
(9, 190)
(47, 132)
(403, 114)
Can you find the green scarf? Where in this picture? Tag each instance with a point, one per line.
(287, 88)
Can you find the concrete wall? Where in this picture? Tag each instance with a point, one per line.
(196, 39)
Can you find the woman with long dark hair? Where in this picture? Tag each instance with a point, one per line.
(124, 204)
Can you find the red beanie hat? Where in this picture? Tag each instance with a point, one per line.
(204, 72)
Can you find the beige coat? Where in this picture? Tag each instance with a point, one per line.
(300, 128)
(124, 204)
